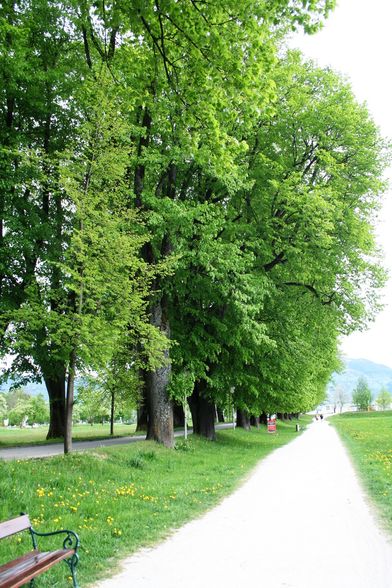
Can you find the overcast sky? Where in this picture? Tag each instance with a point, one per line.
(357, 41)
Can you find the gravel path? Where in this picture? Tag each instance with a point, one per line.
(300, 521)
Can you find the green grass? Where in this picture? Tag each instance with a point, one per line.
(121, 498)
(37, 436)
(368, 437)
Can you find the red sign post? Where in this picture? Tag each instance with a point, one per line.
(271, 425)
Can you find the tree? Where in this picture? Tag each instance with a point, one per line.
(384, 399)
(93, 405)
(106, 285)
(38, 410)
(269, 273)
(186, 145)
(38, 68)
(113, 391)
(18, 415)
(339, 397)
(362, 396)
(239, 190)
(3, 407)
(14, 396)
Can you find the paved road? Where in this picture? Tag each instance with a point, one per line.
(300, 521)
(33, 451)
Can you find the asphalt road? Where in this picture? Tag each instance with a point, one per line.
(34, 451)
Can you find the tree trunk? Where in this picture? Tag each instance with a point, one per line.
(263, 418)
(142, 419)
(160, 422)
(112, 414)
(178, 415)
(69, 404)
(255, 422)
(55, 386)
(219, 412)
(243, 419)
(203, 412)
(142, 411)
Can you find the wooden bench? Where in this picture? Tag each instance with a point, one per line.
(25, 568)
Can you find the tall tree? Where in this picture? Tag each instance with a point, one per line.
(273, 272)
(38, 67)
(362, 395)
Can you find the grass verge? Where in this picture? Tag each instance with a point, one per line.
(119, 499)
(37, 436)
(368, 437)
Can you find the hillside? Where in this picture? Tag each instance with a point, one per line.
(34, 388)
(376, 375)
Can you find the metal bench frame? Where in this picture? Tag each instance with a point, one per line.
(24, 569)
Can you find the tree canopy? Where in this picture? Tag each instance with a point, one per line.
(186, 209)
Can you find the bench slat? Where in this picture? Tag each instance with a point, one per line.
(14, 526)
(21, 570)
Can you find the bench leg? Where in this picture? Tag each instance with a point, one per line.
(72, 563)
(32, 583)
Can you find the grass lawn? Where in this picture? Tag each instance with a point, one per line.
(37, 436)
(368, 437)
(121, 498)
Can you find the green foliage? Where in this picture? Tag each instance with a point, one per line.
(20, 407)
(362, 396)
(38, 410)
(93, 405)
(384, 399)
(3, 407)
(164, 155)
(181, 385)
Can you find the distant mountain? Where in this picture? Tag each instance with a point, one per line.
(377, 376)
(33, 388)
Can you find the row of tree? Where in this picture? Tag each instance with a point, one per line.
(19, 408)
(362, 397)
(186, 208)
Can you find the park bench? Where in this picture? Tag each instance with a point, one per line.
(25, 568)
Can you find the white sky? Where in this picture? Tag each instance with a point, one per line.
(357, 41)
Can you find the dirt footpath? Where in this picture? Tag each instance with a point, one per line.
(300, 521)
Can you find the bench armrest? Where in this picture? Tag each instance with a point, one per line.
(71, 540)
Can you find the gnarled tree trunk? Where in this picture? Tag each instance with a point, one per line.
(203, 412)
(160, 421)
(142, 411)
(263, 418)
(243, 419)
(55, 385)
(255, 421)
